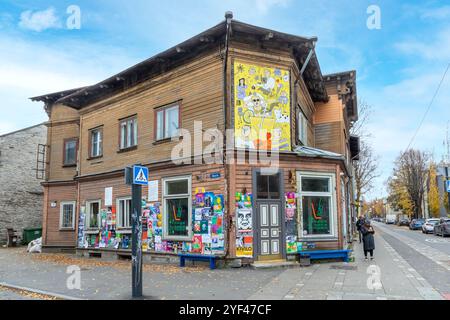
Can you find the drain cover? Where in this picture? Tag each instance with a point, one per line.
(352, 268)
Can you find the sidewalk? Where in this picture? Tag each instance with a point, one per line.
(352, 281)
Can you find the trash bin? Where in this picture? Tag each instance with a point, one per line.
(31, 234)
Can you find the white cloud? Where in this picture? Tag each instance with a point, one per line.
(436, 13)
(39, 20)
(263, 6)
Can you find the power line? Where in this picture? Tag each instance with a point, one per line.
(429, 107)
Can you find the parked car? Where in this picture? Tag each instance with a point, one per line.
(442, 228)
(390, 219)
(403, 222)
(428, 226)
(416, 224)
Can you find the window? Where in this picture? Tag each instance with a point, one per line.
(302, 128)
(167, 122)
(124, 212)
(128, 133)
(70, 152)
(92, 214)
(177, 208)
(67, 215)
(318, 209)
(267, 186)
(96, 143)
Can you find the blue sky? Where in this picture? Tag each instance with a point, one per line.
(399, 66)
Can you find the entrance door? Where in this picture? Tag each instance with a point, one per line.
(269, 222)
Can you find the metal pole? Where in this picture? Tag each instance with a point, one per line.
(136, 242)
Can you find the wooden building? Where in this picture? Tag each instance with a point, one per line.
(264, 86)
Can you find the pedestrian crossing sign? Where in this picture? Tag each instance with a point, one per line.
(448, 186)
(140, 175)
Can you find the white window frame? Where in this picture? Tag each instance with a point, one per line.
(128, 133)
(333, 205)
(118, 215)
(162, 132)
(302, 127)
(165, 197)
(88, 213)
(61, 214)
(98, 143)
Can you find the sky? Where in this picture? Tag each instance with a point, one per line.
(399, 65)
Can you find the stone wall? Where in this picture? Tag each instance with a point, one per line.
(21, 194)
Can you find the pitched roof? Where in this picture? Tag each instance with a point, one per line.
(188, 49)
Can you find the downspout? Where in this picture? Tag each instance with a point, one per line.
(228, 19)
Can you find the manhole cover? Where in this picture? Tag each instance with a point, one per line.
(351, 268)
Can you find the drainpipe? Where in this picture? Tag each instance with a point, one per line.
(228, 20)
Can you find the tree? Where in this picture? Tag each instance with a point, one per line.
(365, 169)
(408, 181)
(434, 200)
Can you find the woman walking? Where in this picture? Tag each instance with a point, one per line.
(368, 239)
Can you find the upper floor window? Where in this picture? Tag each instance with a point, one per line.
(167, 122)
(70, 152)
(302, 128)
(96, 142)
(128, 133)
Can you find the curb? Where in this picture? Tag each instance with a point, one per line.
(42, 292)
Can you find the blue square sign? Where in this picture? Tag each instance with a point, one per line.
(448, 186)
(140, 175)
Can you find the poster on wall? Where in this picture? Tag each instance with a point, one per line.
(262, 107)
(244, 226)
(109, 196)
(153, 191)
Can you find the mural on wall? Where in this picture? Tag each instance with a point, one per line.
(208, 228)
(262, 107)
(244, 232)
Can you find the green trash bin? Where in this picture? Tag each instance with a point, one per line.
(31, 234)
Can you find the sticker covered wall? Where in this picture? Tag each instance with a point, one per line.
(262, 107)
(244, 232)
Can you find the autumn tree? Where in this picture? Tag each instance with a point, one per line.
(408, 182)
(434, 201)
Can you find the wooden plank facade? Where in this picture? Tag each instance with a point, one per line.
(192, 78)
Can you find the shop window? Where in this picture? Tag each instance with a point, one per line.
(177, 208)
(92, 214)
(167, 122)
(318, 210)
(70, 152)
(124, 213)
(302, 128)
(67, 215)
(96, 142)
(267, 186)
(128, 133)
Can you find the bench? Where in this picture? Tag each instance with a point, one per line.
(326, 254)
(198, 257)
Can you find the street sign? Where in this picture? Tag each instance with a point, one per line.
(447, 183)
(140, 175)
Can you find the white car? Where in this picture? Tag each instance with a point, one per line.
(428, 226)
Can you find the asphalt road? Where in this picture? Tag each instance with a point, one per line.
(428, 254)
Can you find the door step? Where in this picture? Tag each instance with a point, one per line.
(274, 264)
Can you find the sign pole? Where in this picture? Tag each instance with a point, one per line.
(136, 177)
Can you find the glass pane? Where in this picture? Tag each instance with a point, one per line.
(121, 213)
(93, 214)
(70, 152)
(135, 133)
(315, 184)
(274, 186)
(67, 215)
(129, 214)
(171, 122)
(316, 215)
(177, 187)
(159, 125)
(262, 183)
(123, 132)
(177, 217)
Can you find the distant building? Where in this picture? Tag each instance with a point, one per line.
(443, 174)
(21, 193)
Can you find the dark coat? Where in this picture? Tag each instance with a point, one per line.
(368, 240)
(359, 224)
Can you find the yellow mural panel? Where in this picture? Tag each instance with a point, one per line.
(262, 107)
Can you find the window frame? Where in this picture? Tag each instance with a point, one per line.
(333, 204)
(88, 214)
(155, 118)
(302, 127)
(164, 197)
(66, 141)
(135, 133)
(61, 215)
(91, 131)
(118, 216)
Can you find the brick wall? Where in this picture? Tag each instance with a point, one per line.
(21, 194)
